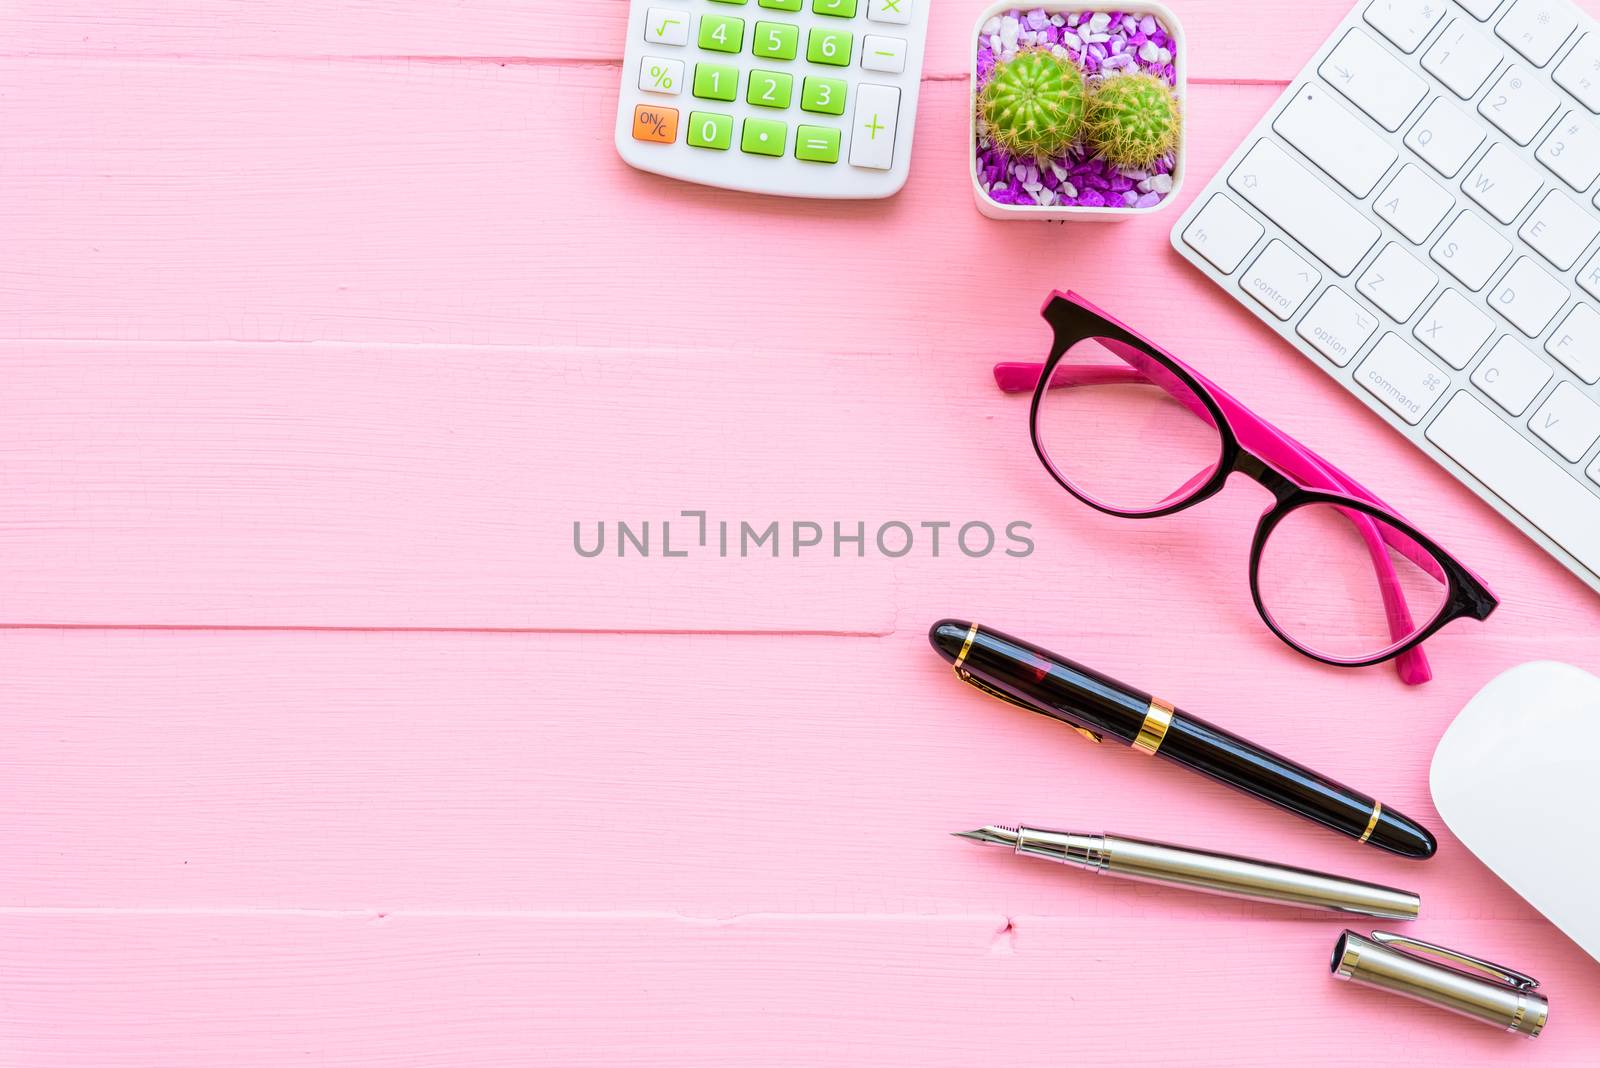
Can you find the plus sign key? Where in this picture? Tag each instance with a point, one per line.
(872, 128)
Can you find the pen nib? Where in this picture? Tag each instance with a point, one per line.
(991, 835)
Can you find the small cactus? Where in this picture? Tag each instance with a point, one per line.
(1034, 104)
(1133, 119)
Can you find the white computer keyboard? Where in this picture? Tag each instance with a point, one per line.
(1417, 214)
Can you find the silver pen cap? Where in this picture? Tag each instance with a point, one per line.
(1465, 985)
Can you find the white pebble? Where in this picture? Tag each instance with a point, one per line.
(1058, 170)
(1121, 62)
(1010, 28)
(1163, 56)
(1149, 52)
(1072, 40)
(1161, 183)
(1136, 174)
(1057, 20)
(994, 44)
(991, 27)
(1099, 21)
(1068, 190)
(1129, 197)
(1096, 38)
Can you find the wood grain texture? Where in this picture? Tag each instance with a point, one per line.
(521, 31)
(392, 990)
(321, 324)
(425, 204)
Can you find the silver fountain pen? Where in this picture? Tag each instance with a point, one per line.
(1212, 873)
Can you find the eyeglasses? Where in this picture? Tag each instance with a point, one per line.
(1135, 432)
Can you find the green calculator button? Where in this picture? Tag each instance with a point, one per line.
(776, 40)
(721, 33)
(822, 46)
(764, 137)
(707, 129)
(816, 144)
(782, 5)
(823, 96)
(713, 81)
(842, 9)
(769, 89)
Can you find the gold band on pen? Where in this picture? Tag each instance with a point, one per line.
(966, 646)
(1372, 824)
(1154, 728)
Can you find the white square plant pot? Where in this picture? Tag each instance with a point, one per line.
(1180, 65)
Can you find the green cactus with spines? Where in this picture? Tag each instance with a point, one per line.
(1034, 104)
(1133, 119)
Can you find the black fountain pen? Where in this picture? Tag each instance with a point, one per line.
(1096, 706)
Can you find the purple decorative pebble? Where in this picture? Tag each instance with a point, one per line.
(1094, 182)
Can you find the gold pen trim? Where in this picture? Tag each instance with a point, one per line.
(966, 646)
(1372, 823)
(1154, 728)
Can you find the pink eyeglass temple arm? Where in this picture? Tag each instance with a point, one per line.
(1275, 448)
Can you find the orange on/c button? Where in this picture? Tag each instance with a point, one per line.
(652, 123)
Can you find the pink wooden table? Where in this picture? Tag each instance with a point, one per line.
(322, 323)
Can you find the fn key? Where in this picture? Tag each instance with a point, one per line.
(872, 130)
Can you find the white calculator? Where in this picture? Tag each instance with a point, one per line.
(801, 98)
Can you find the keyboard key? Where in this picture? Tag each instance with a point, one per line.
(769, 89)
(1568, 421)
(886, 54)
(659, 75)
(1454, 329)
(1528, 297)
(1572, 151)
(1559, 230)
(666, 26)
(872, 142)
(1334, 139)
(1502, 183)
(897, 12)
(1337, 326)
(782, 5)
(1521, 475)
(1396, 282)
(1402, 378)
(1479, 9)
(1366, 74)
(1311, 213)
(1279, 280)
(830, 47)
(1445, 137)
(823, 96)
(839, 9)
(1414, 203)
(817, 144)
(1223, 232)
(776, 40)
(764, 137)
(1576, 343)
(1536, 28)
(1405, 22)
(1462, 58)
(1589, 277)
(1511, 376)
(713, 81)
(657, 124)
(1519, 104)
(721, 33)
(707, 129)
(1472, 250)
(1579, 73)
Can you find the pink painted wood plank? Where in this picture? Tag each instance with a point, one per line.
(708, 775)
(424, 204)
(522, 30)
(371, 486)
(167, 991)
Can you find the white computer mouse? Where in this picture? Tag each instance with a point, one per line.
(1529, 745)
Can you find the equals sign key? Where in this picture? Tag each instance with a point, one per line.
(817, 144)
